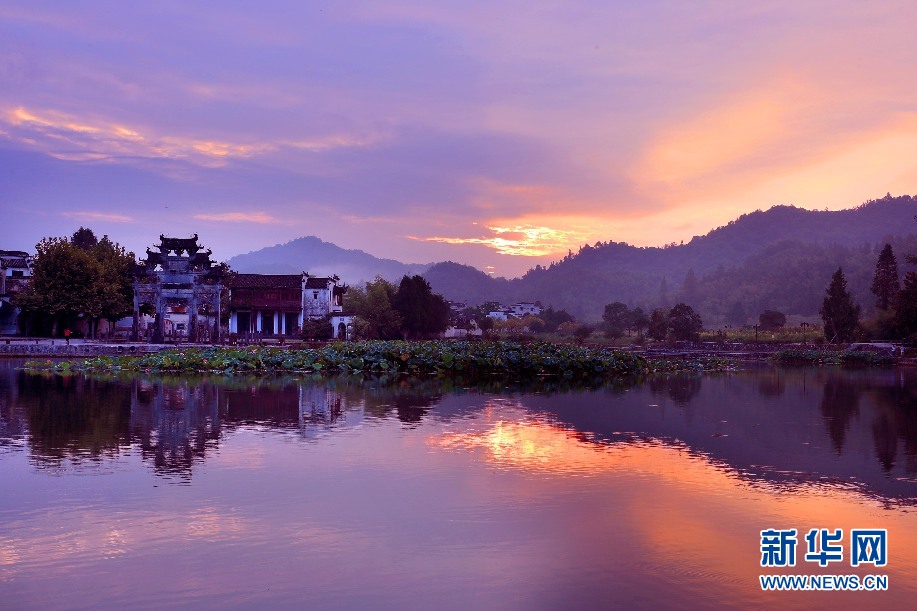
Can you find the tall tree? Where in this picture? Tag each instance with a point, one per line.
(377, 317)
(114, 283)
(92, 279)
(638, 320)
(658, 327)
(423, 312)
(616, 319)
(684, 322)
(840, 314)
(62, 285)
(885, 285)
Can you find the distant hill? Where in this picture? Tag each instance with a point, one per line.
(458, 282)
(319, 257)
(779, 258)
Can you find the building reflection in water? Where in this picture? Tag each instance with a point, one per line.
(772, 425)
(174, 425)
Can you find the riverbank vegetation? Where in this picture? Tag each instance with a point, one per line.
(471, 359)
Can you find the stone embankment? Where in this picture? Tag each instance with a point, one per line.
(59, 348)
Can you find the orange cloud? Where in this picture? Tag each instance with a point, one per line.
(755, 127)
(520, 240)
(96, 140)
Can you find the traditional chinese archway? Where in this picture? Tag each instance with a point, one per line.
(180, 274)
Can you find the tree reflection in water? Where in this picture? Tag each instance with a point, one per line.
(760, 422)
(840, 403)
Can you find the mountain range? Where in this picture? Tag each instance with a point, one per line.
(781, 259)
(321, 258)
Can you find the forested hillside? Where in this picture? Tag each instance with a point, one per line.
(781, 259)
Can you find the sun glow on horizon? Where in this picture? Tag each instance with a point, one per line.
(518, 240)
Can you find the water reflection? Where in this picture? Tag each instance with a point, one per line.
(510, 436)
(767, 424)
(174, 425)
(840, 403)
(361, 492)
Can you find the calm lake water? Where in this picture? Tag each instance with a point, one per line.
(352, 493)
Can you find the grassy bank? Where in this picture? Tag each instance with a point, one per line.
(488, 358)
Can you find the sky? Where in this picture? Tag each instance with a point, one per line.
(497, 133)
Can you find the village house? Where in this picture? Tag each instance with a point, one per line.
(277, 305)
(525, 308)
(15, 274)
(517, 310)
(501, 314)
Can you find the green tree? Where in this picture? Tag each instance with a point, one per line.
(770, 320)
(114, 283)
(84, 238)
(61, 286)
(885, 285)
(554, 318)
(684, 322)
(374, 309)
(658, 328)
(317, 330)
(638, 320)
(616, 318)
(423, 312)
(838, 311)
(69, 280)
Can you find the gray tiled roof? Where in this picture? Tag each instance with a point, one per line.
(14, 262)
(266, 281)
(317, 283)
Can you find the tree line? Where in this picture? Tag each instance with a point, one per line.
(895, 304)
(74, 277)
(385, 311)
(83, 277)
(678, 323)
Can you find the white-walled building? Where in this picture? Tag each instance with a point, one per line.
(15, 274)
(278, 304)
(525, 308)
(517, 310)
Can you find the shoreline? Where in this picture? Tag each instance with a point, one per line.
(440, 357)
(87, 349)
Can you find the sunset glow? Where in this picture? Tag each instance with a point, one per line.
(481, 134)
(709, 495)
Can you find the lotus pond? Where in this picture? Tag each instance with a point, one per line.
(445, 358)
